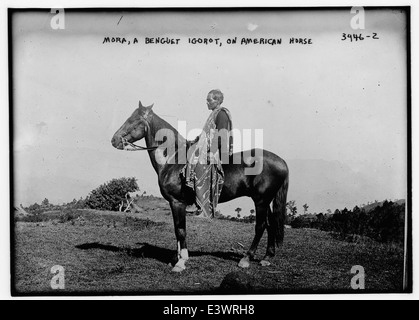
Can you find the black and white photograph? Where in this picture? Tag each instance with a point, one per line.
(210, 151)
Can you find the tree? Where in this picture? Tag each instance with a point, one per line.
(292, 207)
(238, 212)
(305, 206)
(110, 195)
(45, 203)
(80, 204)
(34, 208)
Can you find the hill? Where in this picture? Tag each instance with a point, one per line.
(114, 253)
(372, 206)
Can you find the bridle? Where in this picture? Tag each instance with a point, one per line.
(133, 147)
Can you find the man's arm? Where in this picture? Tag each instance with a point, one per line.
(222, 122)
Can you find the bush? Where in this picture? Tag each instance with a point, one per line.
(68, 215)
(110, 195)
(40, 217)
(34, 209)
(76, 204)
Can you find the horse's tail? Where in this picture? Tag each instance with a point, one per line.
(277, 216)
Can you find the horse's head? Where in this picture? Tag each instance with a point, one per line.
(134, 128)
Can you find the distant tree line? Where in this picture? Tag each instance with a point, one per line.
(246, 219)
(383, 223)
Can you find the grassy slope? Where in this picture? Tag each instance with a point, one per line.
(109, 252)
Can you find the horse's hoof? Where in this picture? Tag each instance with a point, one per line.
(177, 269)
(265, 263)
(244, 263)
(179, 266)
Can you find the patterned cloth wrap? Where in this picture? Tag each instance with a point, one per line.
(203, 172)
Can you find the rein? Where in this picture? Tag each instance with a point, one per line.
(134, 147)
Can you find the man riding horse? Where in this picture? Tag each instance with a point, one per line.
(204, 173)
(211, 174)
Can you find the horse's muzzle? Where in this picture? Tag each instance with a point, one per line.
(117, 142)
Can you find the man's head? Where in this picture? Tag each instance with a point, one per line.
(214, 99)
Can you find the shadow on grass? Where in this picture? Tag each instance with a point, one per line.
(145, 250)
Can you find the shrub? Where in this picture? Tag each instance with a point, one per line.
(68, 215)
(303, 221)
(77, 204)
(40, 217)
(110, 195)
(34, 209)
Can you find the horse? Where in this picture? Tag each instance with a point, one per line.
(270, 186)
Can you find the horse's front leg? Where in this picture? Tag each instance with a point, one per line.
(179, 219)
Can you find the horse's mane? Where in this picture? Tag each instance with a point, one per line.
(159, 123)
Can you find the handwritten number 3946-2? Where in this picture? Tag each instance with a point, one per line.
(356, 37)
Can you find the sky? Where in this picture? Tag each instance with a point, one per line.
(331, 100)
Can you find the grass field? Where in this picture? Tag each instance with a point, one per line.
(116, 253)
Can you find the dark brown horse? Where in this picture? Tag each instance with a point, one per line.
(271, 185)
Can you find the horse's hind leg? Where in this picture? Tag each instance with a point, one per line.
(261, 216)
(270, 250)
(179, 219)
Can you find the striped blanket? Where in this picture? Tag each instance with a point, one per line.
(203, 172)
